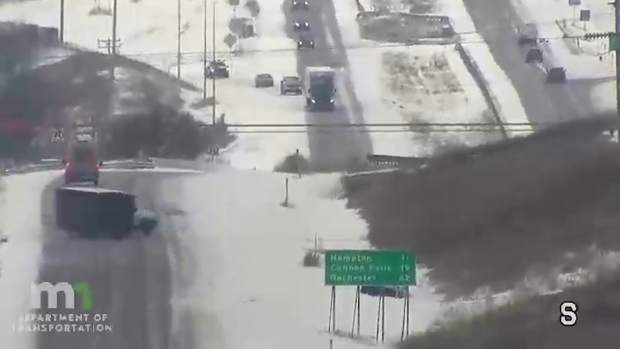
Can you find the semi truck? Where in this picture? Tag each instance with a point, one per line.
(94, 212)
(320, 88)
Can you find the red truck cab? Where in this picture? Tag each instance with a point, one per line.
(81, 164)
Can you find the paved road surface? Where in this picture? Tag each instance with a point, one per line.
(333, 150)
(495, 20)
(131, 279)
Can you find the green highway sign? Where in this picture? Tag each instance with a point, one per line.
(369, 268)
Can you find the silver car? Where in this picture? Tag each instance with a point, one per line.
(290, 84)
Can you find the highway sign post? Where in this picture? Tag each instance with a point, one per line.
(382, 269)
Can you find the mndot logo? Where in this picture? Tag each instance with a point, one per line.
(65, 289)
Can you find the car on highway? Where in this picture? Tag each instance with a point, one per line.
(528, 35)
(290, 84)
(301, 26)
(217, 69)
(556, 75)
(81, 164)
(305, 41)
(263, 80)
(534, 55)
(300, 4)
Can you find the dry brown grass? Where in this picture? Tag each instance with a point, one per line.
(491, 215)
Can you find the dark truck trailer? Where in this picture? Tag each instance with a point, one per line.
(95, 212)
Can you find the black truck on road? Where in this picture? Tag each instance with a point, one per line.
(95, 212)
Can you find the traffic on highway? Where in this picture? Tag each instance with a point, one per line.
(247, 174)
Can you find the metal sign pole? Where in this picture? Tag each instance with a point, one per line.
(354, 311)
(382, 318)
(358, 310)
(331, 310)
(408, 300)
(402, 329)
(334, 300)
(378, 319)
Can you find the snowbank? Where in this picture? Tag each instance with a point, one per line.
(443, 90)
(249, 288)
(20, 210)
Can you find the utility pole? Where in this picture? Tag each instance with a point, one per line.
(114, 41)
(204, 54)
(616, 52)
(179, 39)
(213, 56)
(62, 22)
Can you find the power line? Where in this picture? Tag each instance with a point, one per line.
(410, 124)
(420, 42)
(377, 131)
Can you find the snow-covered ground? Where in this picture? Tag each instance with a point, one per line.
(250, 280)
(20, 210)
(151, 37)
(510, 107)
(583, 60)
(440, 88)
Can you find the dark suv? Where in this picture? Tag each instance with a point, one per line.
(557, 75)
(300, 4)
(217, 69)
(290, 84)
(305, 41)
(534, 55)
(301, 26)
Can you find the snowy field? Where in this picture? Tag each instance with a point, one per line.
(249, 274)
(454, 95)
(583, 60)
(20, 209)
(509, 103)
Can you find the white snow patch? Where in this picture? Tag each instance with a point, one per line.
(20, 213)
(588, 61)
(249, 285)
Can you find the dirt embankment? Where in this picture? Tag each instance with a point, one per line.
(493, 215)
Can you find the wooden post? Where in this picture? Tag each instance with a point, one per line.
(286, 192)
(298, 161)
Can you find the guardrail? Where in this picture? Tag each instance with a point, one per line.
(58, 165)
(396, 161)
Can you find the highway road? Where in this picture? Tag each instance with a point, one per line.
(332, 151)
(131, 279)
(495, 20)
